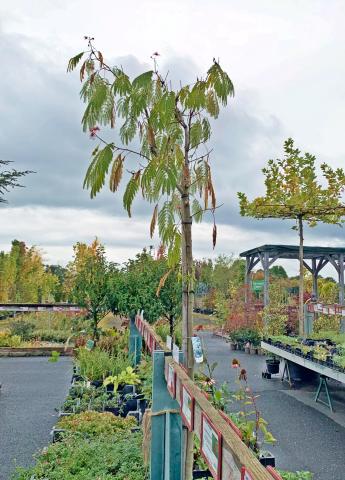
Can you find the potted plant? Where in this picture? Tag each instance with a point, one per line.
(272, 365)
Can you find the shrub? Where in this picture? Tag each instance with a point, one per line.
(326, 322)
(244, 335)
(59, 336)
(118, 457)
(22, 329)
(7, 340)
(95, 423)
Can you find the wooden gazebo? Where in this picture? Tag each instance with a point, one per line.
(314, 259)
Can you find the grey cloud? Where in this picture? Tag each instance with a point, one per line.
(40, 116)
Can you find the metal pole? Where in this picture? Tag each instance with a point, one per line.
(341, 288)
(315, 275)
(266, 281)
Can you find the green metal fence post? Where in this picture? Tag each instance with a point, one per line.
(166, 428)
(135, 342)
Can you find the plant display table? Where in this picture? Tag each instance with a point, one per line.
(323, 370)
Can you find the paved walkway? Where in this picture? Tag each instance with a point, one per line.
(31, 389)
(309, 436)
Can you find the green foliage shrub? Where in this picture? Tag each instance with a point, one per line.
(7, 340)
(116, 457)
(295, 475)
(326, 323)
(22, 329)
(95, 423)
(59, 336)
(244, 335)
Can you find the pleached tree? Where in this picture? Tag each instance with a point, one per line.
(294, 192)
(162, 149)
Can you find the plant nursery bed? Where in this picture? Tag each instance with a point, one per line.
(44, 351)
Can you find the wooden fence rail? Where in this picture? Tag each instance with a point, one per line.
(227, 456)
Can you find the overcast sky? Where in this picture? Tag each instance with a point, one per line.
(286, 60)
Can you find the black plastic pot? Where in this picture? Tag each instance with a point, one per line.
(143, 405)
(272, 366)
(267, 459)
(76, 378)
(201, 474)
(310, 355)
(298, 352)
(57, 434)
(129, 406)
(126, 390)
(113, 410)
(96, 383)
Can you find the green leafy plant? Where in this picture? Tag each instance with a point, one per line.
(299, 475)
(253, 427)
(22, 329)
(145, 371)
(54, 357)
(126, 377)
(98, 364)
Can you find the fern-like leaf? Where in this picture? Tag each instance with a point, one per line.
(95, 175)
(131, 191)
(153, 221)
(116, 173)
(73, 62)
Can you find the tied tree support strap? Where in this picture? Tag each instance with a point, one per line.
(146, 426)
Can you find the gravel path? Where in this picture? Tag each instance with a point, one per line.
(309, 436)
(31, 389)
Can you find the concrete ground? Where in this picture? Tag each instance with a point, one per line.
(31, 389)
(309, 436)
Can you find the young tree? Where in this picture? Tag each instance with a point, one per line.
(9, 179)
(139, 286)
(294, 192)
(23, 276)
(86, 280)
(171, 166)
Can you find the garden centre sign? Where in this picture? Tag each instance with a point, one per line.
(258, 285)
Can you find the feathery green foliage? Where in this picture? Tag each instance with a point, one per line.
(149, 111)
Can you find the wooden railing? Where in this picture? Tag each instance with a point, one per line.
(236, 460)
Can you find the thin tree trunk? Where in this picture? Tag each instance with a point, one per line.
(171, 326)
(301, 278)
(95, 326)
(187, 295)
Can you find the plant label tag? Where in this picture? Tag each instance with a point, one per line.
(89, 345)
(169, 342)
(197, 349)
(211, 446)
(176, 353)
